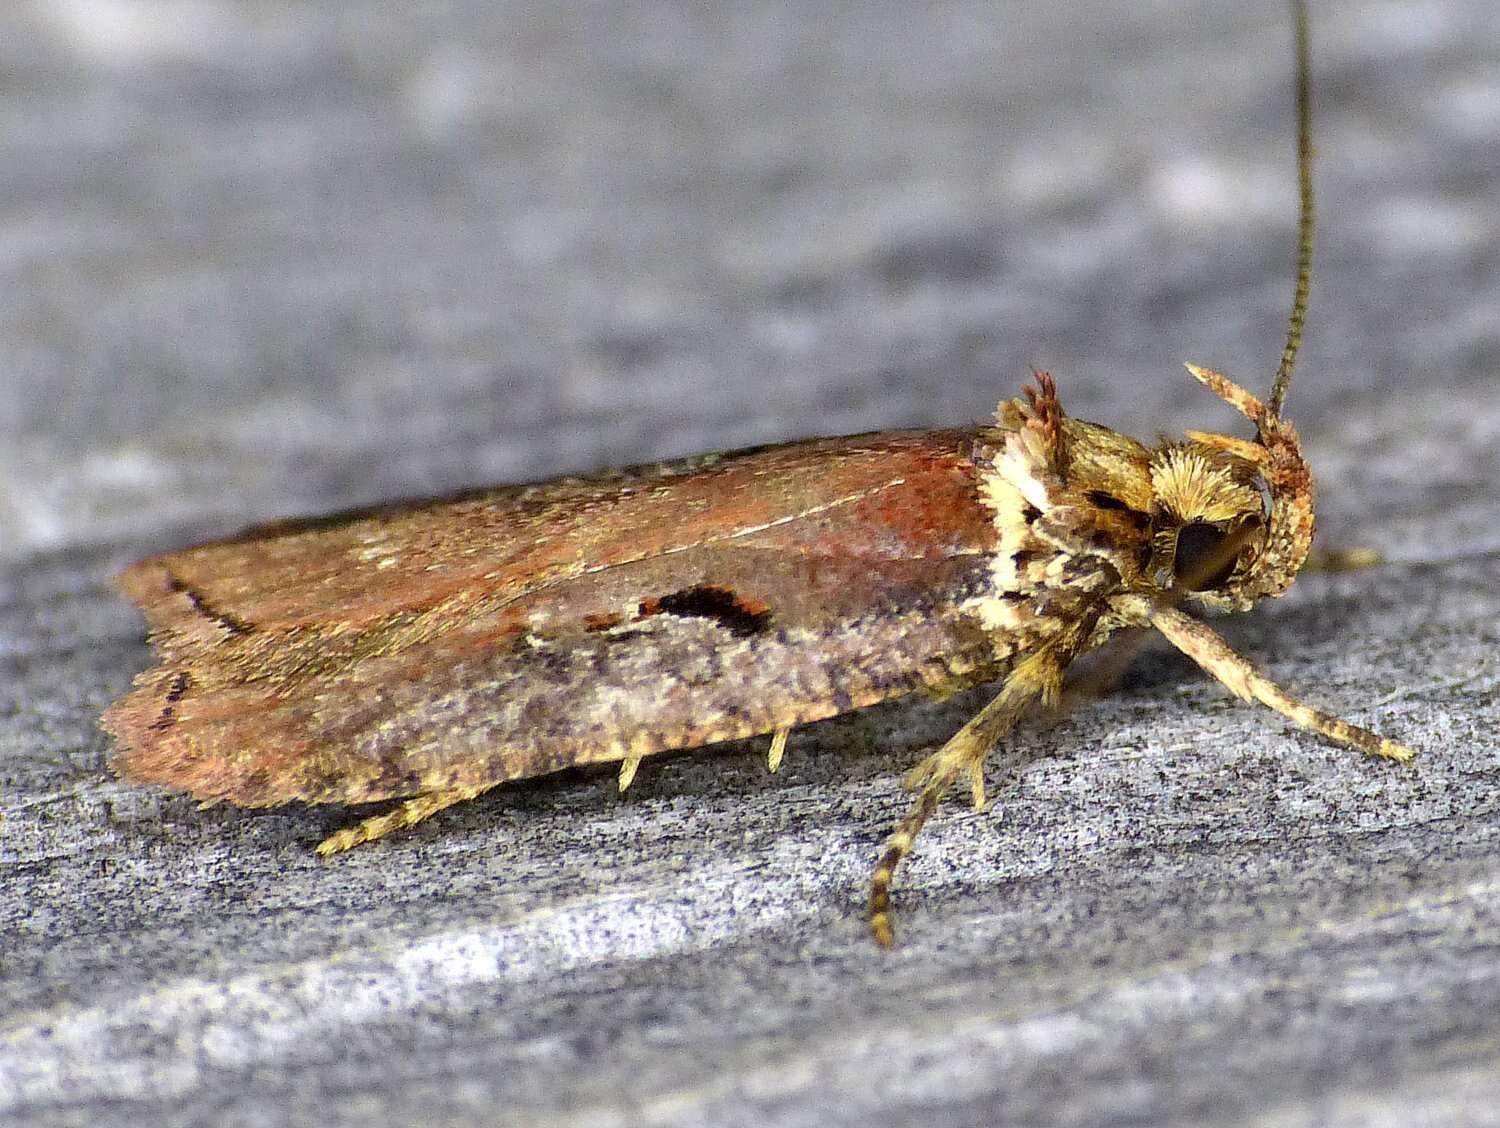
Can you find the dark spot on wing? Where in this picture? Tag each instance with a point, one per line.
(181, 681)
(231, 623)
(736, 613)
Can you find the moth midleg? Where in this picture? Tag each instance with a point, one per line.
(410, 813)
(1038, 675)
(1200, 643)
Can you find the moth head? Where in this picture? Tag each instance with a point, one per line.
(1235, 516)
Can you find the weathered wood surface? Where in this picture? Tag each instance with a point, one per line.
(273, 259)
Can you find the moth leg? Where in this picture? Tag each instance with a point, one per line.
(1202, 645)
(628, 768)
(778, 749)
(408, 814)
(944, 766)
(1039, 675)
(1342, 559)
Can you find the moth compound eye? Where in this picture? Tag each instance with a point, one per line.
(1203, 559)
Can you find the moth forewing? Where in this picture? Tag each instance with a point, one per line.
(585, 622)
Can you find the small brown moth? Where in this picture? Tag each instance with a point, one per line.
(430, 651)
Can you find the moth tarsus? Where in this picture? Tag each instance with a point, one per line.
(777, 749)
(427, 652)
(774, 754)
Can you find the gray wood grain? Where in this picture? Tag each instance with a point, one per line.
(286, 257)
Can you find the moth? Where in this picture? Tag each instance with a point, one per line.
(427, 652)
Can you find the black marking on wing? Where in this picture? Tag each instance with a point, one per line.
(736, 613)
(181, 681)
(231, 623)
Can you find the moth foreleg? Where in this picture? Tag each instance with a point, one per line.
(408, 814)
(1038, 675)
(1200, 643)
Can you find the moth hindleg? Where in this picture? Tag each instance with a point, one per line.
(410, 813)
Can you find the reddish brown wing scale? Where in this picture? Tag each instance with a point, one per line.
(518, 631)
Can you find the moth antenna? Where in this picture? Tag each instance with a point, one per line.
(1298, 316)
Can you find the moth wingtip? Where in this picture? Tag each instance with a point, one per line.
(143, 582)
